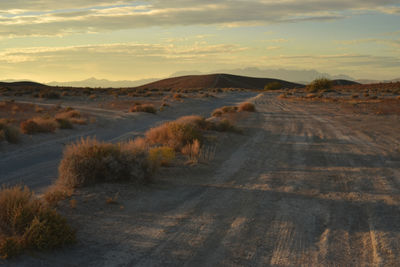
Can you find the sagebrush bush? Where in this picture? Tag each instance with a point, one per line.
(319, 84)
(89, 161)
(39, 125)
(173, 134)
(246, 106)
(27, 223)
(9, 133)
(149, 108)
(161, 156)
(196, 121)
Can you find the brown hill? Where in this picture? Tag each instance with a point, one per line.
(215, 81)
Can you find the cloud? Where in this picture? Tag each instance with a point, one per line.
(389, 42)
(125, 50)
(51, 17)
(338, 60)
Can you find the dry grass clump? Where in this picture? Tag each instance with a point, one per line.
(72, 116)
(161, 156)
(149, 108)
(27, 223)
(192, 150)
(246, 106)
(173, 134)
(226, 109)
(56, 193)
(8, 132)
(39, 125)
(89, 161)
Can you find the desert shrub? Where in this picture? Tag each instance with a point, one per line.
(55, 193)
(226, 109)
(64, 124)
(217, 113)
(173, 134)
(39, 125)
(9, 133)
(246, 106)
(192, 150)
(89, 161)
(225, 126)
(282, 96)
(229, 109)
(149, 108)
(196, 121)
(177, 96)
(68, 114)
(273, 86)
(39, 109)
(161, 156)
(49, 94)
(319, 84)
(27, 223)
(311, 95)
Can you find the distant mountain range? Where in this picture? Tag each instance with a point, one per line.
(93, 83)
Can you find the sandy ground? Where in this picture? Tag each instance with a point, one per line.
(306, 185)
(34, 162)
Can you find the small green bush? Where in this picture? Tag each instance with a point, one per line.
(273, 86)
(161, 156)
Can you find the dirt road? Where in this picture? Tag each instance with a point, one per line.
(307, 186)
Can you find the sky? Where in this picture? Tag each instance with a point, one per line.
(52, 40)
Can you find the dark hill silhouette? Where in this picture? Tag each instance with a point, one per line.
(343, 82)
(23, 85)
(215, 81)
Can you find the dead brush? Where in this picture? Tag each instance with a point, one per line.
(89, 161)
(55, 193)
(173, 134)
(8, 132)
(148, 108)
(27, 223)
(246, 106)
(39, 125)
(113, 200)
(192, 151)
